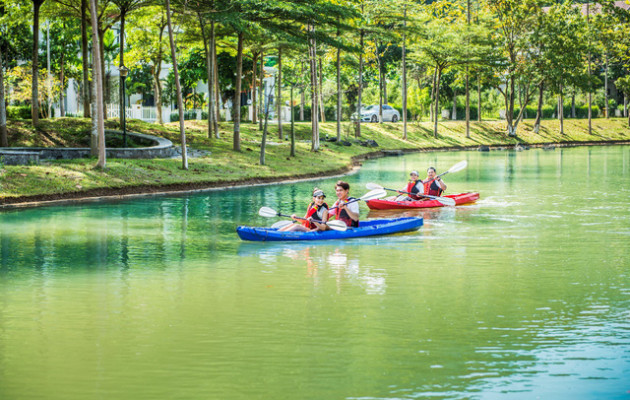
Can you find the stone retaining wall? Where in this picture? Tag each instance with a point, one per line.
(161, 148)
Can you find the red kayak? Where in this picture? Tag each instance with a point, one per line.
(381, 204)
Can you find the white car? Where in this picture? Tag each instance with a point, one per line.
(371, 114)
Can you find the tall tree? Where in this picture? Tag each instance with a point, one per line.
(149, 47)
(180, 103)
(514, 17)
(100, 122)
(4, 140)
(35, 62)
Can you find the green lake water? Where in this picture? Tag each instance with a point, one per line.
(523, 295)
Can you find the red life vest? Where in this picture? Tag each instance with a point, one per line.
(412, 188)
(342, 215)
(314, 211)
(432, 188)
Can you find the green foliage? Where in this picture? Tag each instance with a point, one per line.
(188, 115)
(19, 112)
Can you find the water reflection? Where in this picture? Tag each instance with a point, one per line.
(523, 294)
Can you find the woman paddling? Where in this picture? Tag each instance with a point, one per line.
(315, 217)
(414, 186)
(346, 208)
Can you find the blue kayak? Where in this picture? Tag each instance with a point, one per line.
(373, 227)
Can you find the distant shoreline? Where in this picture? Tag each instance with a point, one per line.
(142, 191)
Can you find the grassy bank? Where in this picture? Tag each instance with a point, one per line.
(55, 179)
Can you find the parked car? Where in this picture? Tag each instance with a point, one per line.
(371, 114)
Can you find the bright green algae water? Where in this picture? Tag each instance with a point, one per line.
(523, 295)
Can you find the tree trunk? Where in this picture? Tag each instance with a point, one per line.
(34, 90)
(385, 89)
(625, 105)
(321, 92)
(467, 79)
(85, 87)
(437, 103)
(302, 94)
(236, 115)
(4, 138)
(314, 94)
(606, 86)
(121, 53)
(100, 122)
(380, 85)
(262, 77)
(62, 108)
(478, 98)
(254, 89)
(94, 148)
(573, 114)
(214, 97)
(510, 100)
(359, 105)
(209, 73)
(264, 135)
(158, 96)
(292, 154)
(590, 92)
(454, 116)
(404, 73)
(432, 115)
(561, 110)
(541, 90)
(104, 95)
(339, 109)
(279, 99)
(178, 87)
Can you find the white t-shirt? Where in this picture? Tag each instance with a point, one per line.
(352, 207)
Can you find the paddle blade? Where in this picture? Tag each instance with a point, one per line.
(374, 194)
(267, 212)
(373, 186)
(458, 167)
(281, 224)
(447, 201)
(337, 225)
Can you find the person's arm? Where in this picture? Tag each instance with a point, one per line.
(441, 184)
(353, 210)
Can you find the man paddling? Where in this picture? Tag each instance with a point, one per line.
(346, 208)
(433, 185)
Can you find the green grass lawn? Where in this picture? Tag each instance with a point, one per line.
(223, 165)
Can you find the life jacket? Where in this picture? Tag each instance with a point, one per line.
(342, 215)
(316, 212)
(432, 188)
(413, 188)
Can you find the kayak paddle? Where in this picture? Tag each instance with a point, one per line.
(455, 168)
(270, 213)
(447, 201)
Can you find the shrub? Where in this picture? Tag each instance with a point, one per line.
(19, 112)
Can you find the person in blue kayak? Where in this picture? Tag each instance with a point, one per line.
(315, 217)
(345, 209)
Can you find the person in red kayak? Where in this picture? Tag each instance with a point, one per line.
(345, 209)
(433, 185)
(315, 217)
(414, 186)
